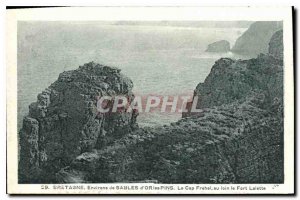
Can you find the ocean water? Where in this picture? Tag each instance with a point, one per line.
(160, 60)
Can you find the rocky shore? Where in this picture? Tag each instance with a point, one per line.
(237, 138)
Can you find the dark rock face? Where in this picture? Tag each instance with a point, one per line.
(64, 122)
(256, 39)
(237, 138)
(219, 46)
(226, 144)
(276, 45)
(232, 80)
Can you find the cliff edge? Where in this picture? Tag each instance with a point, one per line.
(237, 138)
(64, 123)
(256, 39)
(276, 45)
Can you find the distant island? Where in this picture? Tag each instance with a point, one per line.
(219, 46)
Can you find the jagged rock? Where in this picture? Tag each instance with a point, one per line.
(236, 143)
(231, 80)
(64, 122)
(237, 138)
(276, 45)
(219, 46)
(256, 39)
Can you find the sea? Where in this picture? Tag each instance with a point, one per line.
(160, 60)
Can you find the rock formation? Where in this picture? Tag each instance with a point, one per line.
(219, 46)
(256, 39)
(237, 138)
(64, 122)
(237, 143)
(276, 45)
(231, 80)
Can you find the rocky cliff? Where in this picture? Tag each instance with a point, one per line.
(232, 80)
(237, 143)
(64, 122)
(219, 46)
(237, 138)
(256, 39)
(276, 45)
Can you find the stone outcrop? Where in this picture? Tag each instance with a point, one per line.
(237, 143)
(231, 80)
(64, 121)
(256, 39)
(276, 45)
(237, 138)
(219, 46)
